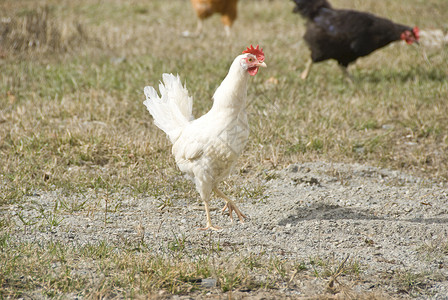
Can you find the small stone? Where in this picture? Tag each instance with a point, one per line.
(388, 126)
(293, 168)
(208, 282)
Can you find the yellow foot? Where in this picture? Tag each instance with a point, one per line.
(233, 208)
(216, 228)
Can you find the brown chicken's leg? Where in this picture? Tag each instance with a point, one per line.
(197, 33)
(230, 205)
(228, 17)
(227, 22)
(307, 70)
(199, 28)
(227, 30)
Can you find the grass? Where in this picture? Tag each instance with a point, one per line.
(57, 269)
(72, 120)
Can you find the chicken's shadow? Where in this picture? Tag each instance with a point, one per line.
(322, 211)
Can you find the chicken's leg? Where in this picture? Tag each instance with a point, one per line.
(227, 30)
(205, 196)
(346, 73)
(230, 205)
(199, 28)
(209, 220)
(307, 70)
(197, 33)
(228, 18)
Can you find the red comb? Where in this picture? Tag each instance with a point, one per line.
(257, 51)
(416, 31)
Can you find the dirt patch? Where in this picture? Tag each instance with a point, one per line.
(391, 225)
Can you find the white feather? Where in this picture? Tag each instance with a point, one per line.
(172, 111)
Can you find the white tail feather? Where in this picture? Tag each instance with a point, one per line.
(173, 109)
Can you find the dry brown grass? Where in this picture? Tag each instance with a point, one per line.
(37, 30)
(72, 78)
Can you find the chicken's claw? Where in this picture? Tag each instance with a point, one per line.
(233, 208)
(216, 228)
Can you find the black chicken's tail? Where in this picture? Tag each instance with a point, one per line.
(310, 8)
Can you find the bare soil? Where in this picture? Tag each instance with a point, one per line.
(392, 225)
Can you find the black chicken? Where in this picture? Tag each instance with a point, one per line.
(345, 35)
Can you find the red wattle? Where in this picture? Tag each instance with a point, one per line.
(252, 71)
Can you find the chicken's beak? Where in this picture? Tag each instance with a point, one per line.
(263, 64)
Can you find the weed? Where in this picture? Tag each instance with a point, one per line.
(73, 206)
(50, 218)
(96, 251)
(279, 267)
(229, 280)
(412, 283)
(252, 262)
(4, 238)
(25, 221)
(177, 244)
(435, 249)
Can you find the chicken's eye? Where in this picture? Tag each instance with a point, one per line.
(250, 59)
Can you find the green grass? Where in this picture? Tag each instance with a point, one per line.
(72, 119)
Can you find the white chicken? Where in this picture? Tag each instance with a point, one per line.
(206, 148)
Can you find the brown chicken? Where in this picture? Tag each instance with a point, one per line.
(206, 8)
